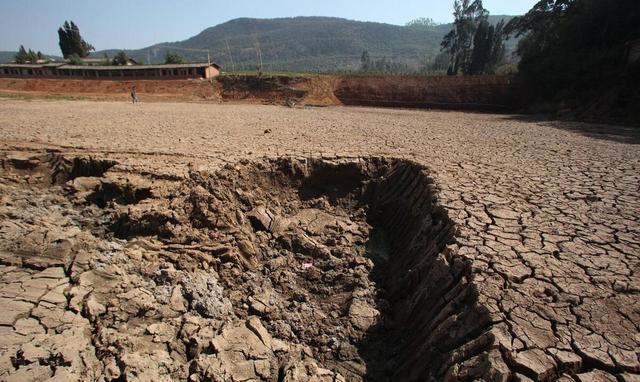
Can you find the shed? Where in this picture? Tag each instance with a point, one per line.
(61, 70)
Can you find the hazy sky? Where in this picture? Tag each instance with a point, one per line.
(129, 24)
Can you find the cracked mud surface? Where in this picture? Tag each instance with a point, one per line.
(511, 255)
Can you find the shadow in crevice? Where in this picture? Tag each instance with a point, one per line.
(419, 287)
(334, 181)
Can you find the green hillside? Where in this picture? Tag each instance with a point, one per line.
(304, 44)
(300, 44)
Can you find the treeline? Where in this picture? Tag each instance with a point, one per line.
(575, 54)
(473, 46)
(381, 65)
(28, 56)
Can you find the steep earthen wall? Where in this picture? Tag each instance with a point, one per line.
(163, 89)
(451, 92)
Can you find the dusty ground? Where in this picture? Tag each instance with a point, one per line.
(109, 276)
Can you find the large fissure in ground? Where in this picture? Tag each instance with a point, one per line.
(278, 269)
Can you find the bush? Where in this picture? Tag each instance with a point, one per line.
(173, 58)
(74, 59)
(120, 59)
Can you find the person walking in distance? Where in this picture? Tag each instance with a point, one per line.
(134, 94)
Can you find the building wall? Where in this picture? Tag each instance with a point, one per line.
(115, 73)
(211, 72)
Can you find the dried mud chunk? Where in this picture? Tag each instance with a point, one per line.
(308, 370)
(248, 256)
(161, 332)
(240, 354)
(536, 363)
(260, 218)
(23, 161)
(205, 295)
(12, 310)
(362, 315)
(596, 376)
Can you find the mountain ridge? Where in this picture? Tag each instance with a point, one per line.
(303, 43)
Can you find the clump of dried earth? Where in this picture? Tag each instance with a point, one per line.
(206, 243)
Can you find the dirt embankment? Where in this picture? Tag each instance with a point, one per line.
(477, 92)
(308, 90)
(451, 92)
(183, 90)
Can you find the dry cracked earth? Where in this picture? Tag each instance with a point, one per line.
(199, 242)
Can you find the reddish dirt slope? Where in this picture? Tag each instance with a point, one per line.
(478, 92)
(473, 92)
(188, 90)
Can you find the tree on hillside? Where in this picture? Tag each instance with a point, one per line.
(488, 48)
(440, 63)
(173, 58)
(71, 42)
(120, 59)
(474, 45)
(423, 22)
(365, 61)
(459, 42)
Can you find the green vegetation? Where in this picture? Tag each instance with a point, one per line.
(74, 59)
(106, 61)
(27, 57)
(120, 58)
(474, 46)
(71, 42)
(574, 55)
(381, 66)
(422, 22)
(309, 44)
(173, 58)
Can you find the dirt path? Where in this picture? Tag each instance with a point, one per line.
(542, 266)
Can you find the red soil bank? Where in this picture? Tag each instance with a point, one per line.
(188, 90)
(454, 92)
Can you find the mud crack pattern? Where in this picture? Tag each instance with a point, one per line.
(543, 270)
